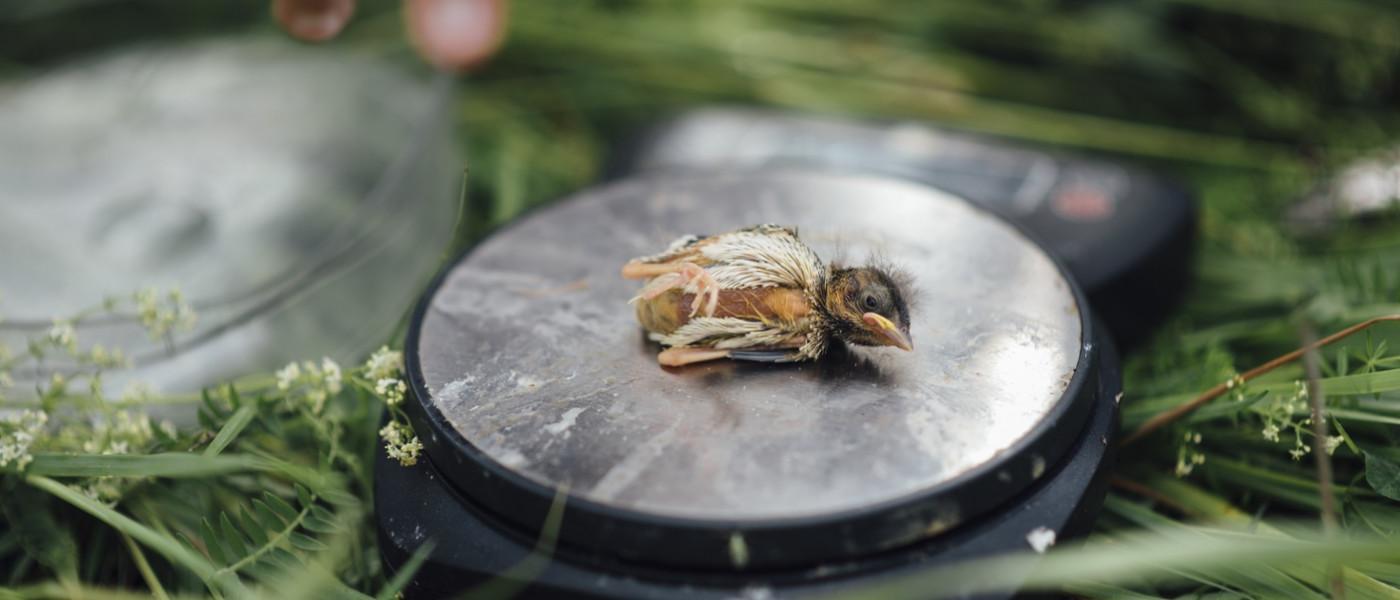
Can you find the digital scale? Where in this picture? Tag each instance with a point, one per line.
(532, 381)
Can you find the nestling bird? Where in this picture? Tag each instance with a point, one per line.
(761, 294)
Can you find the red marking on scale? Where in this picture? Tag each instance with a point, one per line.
(1082, 203)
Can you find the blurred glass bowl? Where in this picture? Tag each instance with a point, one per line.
(298, 196)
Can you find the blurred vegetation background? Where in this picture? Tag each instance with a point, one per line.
(1253, 103)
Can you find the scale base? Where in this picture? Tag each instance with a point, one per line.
(415, 504)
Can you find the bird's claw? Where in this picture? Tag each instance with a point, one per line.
(698, 281)
(689, 277)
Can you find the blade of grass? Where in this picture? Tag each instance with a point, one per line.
(144, 567)
(406, 572)
(171, 464)
(231, 429)
(167, 547)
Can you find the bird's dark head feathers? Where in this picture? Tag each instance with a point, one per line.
(869, 305)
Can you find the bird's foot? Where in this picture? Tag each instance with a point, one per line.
(659, 285)
(700, 283)
(690, 277)
(678, 357)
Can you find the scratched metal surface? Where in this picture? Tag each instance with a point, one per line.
(531, 351)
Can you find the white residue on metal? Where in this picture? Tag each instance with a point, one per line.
(512, 458)
(1041, 539)
(926, 427)
(566, 421)
(454, 392)
(525, 383)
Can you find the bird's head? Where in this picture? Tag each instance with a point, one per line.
(867, 306)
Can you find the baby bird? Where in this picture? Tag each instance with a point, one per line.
(760, 294)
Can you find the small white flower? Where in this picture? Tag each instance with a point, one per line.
(1332, 442)
(58, 384)
(1041, 539)
(1271, 431)
(1184, 468)
(400, 444)
(331, 375)
(288, 376)
(408, 452)
(1299, 452)
(137, 425)
(392, 433)
(163, 318)
(104, 358)
(21, 430)
(383, 364)
(63, 336)
(391, 390)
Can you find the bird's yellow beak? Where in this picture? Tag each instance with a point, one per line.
(887, 329)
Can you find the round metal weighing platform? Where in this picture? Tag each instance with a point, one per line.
(531, 377)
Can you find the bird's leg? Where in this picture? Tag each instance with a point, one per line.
(677, 357)
(705, 290)
(637, 269)
(686, 275)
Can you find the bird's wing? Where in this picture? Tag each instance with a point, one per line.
(761, 256)
(725, 333)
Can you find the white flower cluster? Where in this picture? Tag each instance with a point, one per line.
(391, 390)
(1271, 431)
(1187, 455)
(62, 335)
(120, 433)
(314, 382)
(163, 316)
(17, 434)
(136, 392)
(400, 443)
(103, 358)
(1279, 418)
(383, 364)
(1299, 451)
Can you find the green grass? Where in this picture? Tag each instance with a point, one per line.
(1251, 103)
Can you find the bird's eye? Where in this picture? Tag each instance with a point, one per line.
(870, 302)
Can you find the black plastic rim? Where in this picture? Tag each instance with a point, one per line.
(648, 538)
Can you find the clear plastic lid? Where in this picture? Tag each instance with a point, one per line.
(297, 196)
